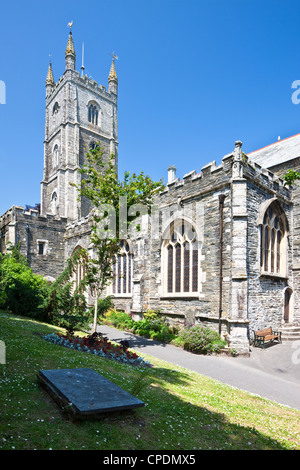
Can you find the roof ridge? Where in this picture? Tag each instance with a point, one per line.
(290, 137)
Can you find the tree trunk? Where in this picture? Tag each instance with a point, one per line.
(95, 312)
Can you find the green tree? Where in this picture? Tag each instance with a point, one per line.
(21, 291)
(290, 177)
(110, 198)
(66, 303)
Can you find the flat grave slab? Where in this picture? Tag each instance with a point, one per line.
(85, 392)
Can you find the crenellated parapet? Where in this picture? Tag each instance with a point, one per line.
(83, 81)
(266, 178)
(79, 227)
(233, 166)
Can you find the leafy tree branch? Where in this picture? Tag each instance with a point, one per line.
(110, 199)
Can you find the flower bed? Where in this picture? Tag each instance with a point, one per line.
(100, 347)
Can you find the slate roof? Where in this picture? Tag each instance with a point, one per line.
(277, 153)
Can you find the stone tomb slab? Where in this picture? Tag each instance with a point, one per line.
(85, 393)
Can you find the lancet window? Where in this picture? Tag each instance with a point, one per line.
(93, 114)
(122, 271)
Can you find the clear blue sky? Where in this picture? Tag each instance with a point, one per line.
(194, 77)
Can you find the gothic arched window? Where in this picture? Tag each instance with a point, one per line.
(55, 108)
(273, 236)
(93, 114)
(53, 203)
(80, 270)
(180, 258)
(55, 155)
(122, 271)
(55, 111)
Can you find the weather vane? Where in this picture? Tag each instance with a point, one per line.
(82, 66)
(70, 24)
(114, 56)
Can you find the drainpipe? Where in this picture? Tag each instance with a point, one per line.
(27, 241)
(221, 208)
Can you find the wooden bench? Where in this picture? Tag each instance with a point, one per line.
(266, 335)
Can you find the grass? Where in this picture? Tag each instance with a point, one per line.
(184, 410)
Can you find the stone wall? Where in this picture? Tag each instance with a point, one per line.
(294, 237)
(41, 239)
(195, 199)
(249, 300)
(265, 292)
(77, 234)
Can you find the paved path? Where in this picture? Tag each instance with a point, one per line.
(273, 373)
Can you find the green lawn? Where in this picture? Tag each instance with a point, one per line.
(184, 410)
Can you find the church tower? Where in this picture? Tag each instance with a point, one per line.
(79, 113)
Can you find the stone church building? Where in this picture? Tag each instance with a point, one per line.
(222, 246)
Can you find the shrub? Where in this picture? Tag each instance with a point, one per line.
(153, 325)
(197, 339)
(66, 304)
(201, 340)
(22, 291)
(104, 305)
(66, 308)
(120, 320)
(151, 315)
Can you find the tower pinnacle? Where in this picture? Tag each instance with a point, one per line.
(49, 80)
(112, 78)
(70, 51)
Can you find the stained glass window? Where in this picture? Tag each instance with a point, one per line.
(181, 260)
(122, 270)
(272, 240)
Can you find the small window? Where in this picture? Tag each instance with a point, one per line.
(94, 145)
(55, 108)
(41, 248)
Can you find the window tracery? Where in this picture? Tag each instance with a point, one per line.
(273, 241)
(122, 271)
(93, 114)
(180, 259)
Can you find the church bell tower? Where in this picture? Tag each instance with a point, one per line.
(79, 113)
